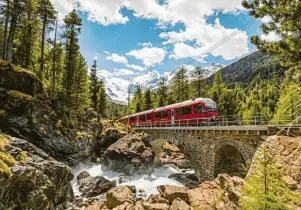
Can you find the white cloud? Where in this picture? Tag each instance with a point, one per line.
(149, 55)
(205, 36)
(182, 50)
(117, 58)
(103, 11)
(135, 67)
(123, 72)
(63, 7)
(270, 37)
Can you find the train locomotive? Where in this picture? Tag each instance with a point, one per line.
(197, 112)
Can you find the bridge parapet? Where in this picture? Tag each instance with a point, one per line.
(218, 149)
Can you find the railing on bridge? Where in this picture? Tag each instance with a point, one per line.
(231, 120)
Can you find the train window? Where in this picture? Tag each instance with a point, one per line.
(142, 117)
(148, 116)
(132, 118)
(211, 107)
(198, 108)
(162, 114)
(184, 110)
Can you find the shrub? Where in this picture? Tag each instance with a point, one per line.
(3, 141)
(23, 156)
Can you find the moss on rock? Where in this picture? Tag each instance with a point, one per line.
(20, 95)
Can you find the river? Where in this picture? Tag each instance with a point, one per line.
(146, 185)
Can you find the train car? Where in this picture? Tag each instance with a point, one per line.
(192, 112)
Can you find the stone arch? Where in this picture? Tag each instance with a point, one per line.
(229, 158)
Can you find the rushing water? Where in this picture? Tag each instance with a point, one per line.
(145, 184)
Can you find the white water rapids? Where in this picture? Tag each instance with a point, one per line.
(143, 183)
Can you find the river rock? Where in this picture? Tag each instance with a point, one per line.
(155, 206)
(170, 193)
(93, 186)
(119, 195)
(221, 193)
(286, 153)
(179, 204)
(107, 138)
(36, 180)
(189, 180)
(130, 154)
(170, 154)
(157, 199)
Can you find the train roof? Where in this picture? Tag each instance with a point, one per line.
(185, 103)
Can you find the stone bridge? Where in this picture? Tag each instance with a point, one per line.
(214, 150)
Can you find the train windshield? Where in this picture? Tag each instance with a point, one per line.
(211, 107)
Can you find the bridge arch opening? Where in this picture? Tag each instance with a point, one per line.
(228, 159)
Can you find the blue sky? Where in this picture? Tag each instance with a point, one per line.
(130, 37)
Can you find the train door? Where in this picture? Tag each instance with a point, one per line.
(137, 120)
(172, 116)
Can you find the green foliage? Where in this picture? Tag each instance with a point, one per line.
(265, 188)
(289, 105)
(148, 101)
(180, 88)
(284, 21)
(23, 156)
(3, 141)
(102, 99)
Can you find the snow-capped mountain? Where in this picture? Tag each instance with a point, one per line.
(117, 86)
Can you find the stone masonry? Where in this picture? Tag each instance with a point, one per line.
(212, 152)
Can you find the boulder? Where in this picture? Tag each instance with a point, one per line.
(16, 78)
(130, 154)
(170, 193)
(179, 204)
(93, 186)
(155, 206)
(170, 154)
(107, 138)
(221, 193)
(36, 180)
(157, 199)
(119, 195)
(188, 180)
(139, 205)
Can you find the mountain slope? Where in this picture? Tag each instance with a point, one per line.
(244, 70)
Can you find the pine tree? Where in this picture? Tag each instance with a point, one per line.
(265, 188)
(199, 82)
(47, 15)
(102, 99)
(16, 11)
(284, 21)
(6, 14)
(180, 87)
(162, 92)
(72, 25)
(94, 85)
(148, 102)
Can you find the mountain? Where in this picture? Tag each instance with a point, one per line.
(117, 87)
(244, 70)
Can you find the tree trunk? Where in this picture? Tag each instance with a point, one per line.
(54, 61)
(28, 42)
(5, 30)
(43, 46)
(12, 30)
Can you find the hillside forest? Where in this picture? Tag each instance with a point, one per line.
(264, 83)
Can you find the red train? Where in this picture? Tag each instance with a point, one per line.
(197, 111)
